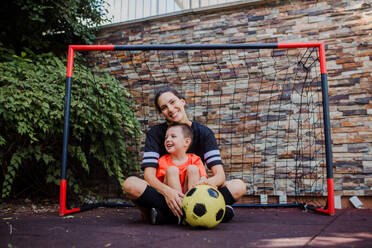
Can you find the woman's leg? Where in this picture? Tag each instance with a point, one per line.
(134, 187)
(237, 188)
(232, 191)
(144, 196)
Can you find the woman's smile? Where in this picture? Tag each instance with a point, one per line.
(174, 115)
(172, 107)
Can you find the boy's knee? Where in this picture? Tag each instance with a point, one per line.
(172, 170)
(191, 169)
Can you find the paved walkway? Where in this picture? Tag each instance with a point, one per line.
(249, 228)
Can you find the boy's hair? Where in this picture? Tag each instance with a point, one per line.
(162, 91)
(186, 129)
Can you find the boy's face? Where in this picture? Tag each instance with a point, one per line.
(175, 140)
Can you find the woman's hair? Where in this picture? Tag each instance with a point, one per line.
(163, 90)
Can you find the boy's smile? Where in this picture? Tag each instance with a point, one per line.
(174, 140)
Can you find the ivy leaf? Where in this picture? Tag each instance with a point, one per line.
(2, 141)
(47, 158)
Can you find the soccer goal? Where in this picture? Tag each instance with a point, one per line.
(266, 103)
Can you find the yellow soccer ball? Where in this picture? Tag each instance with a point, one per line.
(203, 206)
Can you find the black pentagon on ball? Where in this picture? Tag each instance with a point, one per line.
(212, 192)
(199, 209)
(191, 191)
(219, 214)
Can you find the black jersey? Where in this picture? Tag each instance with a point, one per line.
(203, 144)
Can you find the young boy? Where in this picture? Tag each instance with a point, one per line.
(178, 169)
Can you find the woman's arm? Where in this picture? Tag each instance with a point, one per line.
(212, 157)
(218, 178)
(172, 196)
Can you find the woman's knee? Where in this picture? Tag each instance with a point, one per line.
(134, 187)
(237, 188)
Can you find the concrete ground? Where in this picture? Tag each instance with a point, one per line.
(250, 228)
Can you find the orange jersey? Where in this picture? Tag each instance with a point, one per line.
(166, 161)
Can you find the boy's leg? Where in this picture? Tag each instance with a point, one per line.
(192, 177)
(172, 178)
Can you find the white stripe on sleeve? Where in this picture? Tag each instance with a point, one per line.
(146, 161)
(151, 155)
(213, 159)
(211, 153)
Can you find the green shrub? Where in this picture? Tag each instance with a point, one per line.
(103, 129)
(49, 25)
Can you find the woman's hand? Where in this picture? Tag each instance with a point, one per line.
(174, 201)
(203, 180)
(172, 196)
(218, 178)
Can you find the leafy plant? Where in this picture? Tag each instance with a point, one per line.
(49, 25)
(103, 128)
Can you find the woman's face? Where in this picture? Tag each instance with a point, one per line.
(172, 107)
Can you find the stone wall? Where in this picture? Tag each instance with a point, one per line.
(346, 28)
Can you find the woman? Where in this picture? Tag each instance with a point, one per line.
(150, 193)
